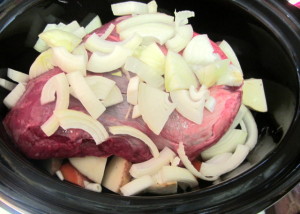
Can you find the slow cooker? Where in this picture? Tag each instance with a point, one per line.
(266, 38)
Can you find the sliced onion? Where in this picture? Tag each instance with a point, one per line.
(41, 45)
(7, 84)
(85, 95)
(210, 104)
(93, 25)
(50, 126)
(202, 93)
(57, 38)
(71, 119)
(150, 32)
(136, 112)
(100, 63)
(129, 7)
(183, 36)
(17, 76)
(220, 158)
(233, 77)
(13, 97)
(145, 72)
(164, 189)
(239, 116)
(101, 86)
(127, 130)
(154, 106)
(229, 52)
(153, 165)
(137, 185)
(71, 27)
(80, 32)
(114, 97)
(59, 175)
(80, 50)
(251, 129)
(44, 62)
(108, 31)
(152, 7)
(132, 90)
(181, 17)
(92, 186)
(144, 18)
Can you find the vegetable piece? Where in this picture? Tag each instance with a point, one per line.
(254, 95)
(93, 24)
(101, 86)
(127, 130)
(90, 166)
(251, 129)
(44, 62)
(153, 165)
(13, 97)
(71, 27)
(85, 94)
(219, 158)
(182, 37)
(132, 90)
(59, 175)
(154, 57)
(41, 45)
(57, 38)
(229, 52)
(114, 97)
(227, 143)
(199, 51)
(163, 189)
(154, 106)
(17, 76)
(136, 186)
(136, 112)
(50, 126)
(200, 94)
(100, 63)
(143, 19)
(129, 7)
(181, 17)
(239, 116)
(80, 50)
(150, 32)
(71, 119)
(116, 174)
(178, 74)
(72, 175)
(192, 110)
(108, 31)
(232, 77)
(67, 61)
(92, 186)
(152, 7)
(80, 32)
(210, 104)
(145, 72)
(7, 84)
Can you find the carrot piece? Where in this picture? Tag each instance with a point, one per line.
(197, 164)
(72, 175)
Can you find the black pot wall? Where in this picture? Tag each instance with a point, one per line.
(265, 36)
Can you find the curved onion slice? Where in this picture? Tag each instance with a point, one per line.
(7, 84)
(17, 76)
(108, 31)
(50, 126)
(144, 18)
(227, 49)
(136, 112)
(210, 169)
(153, 165)
(210, 104)
(183, 36)
(85, 95)
(12, 98)
(93, 25)
(114, 97)
(80, 50)
(41, 45)
(181, 17)
(44, 62)
(71, 119)
(129, 7)
(164, 189)
(220, 158)
(57, 38)
(187, 163)
(231, 77)
(251, 129)
(137, 185)
(67, 61)
(132, 90)
(100, 63)
(154, 106)
(127, 130)
(150, 32)
(80, 32)
(200, 94)
(101, 86)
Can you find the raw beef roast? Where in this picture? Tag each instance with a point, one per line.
(24, 120)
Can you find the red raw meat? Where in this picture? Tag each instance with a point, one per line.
(24, 120)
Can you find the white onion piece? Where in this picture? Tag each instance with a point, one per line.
(232, 77)
(192, 110)
(80, 50)
(67, 61)
(154, 106)
(183, 36)
(176, 161)
(13, 97)
(144, 18)
(85, 95)
(93, 24)
(80, 32)
(48, 91)
(199, 51)
(181, 175)
(150, 32)
(202, 93)
(7, 84)
(108, 31)
(209, 169)
(41, 45)
(136, 112)
(17, 76)
(127, 130)
(145, 72)
(251, 129)
(57, 38)
(227, 143)
(181, 17)
(44, 62)
(137, 185)
(210, 104)
(50, 126)
(114, 97)
(220, 158)
(239, 116)
(59, 175)
(187, 163)
(129, 7)
(164, 189)
(101, 63)
(92, 186)
(152, 7)
(153, 165)
(227, 49)
(132, 90)
(71, 119)
(101, 86)
(71, 27)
